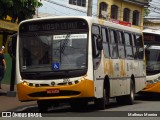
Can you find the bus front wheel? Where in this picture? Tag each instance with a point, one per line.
(78, 104)
(102, 102)
(42, 106)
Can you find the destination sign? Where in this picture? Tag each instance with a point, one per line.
(72, 36)
(53, 24)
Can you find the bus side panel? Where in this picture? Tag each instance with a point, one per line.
(140, 80)
(115, 82)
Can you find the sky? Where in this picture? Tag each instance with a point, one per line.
(154, 9)
(61, 7)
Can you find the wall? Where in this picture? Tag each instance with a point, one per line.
(8, 28)
(121, 6)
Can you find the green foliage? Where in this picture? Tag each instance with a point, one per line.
(18, 9)
(146, 10)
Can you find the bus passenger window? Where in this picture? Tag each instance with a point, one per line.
(139, 41)
(105, 42)
(121, 45)
(140, 49)
(134, 46)
(95, 37)
(129, 52)
(113, 44)
(127, 39)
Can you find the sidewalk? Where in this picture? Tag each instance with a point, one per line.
(10, 103)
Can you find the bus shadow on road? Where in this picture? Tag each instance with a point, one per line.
(3, 93)
(90, 108)
(148, 96)
(67, 109)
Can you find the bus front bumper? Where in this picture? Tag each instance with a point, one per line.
(152, 88)
(83, 89)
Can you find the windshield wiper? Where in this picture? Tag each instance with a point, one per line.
(62, 48)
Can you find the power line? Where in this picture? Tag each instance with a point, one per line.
(56, 9)
(56, 3)
(94, 4)
(82, 11)
(155, 2)
(65, 13)
(154, 9)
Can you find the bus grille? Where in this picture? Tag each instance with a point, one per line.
(61, 93)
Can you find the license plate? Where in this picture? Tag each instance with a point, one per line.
(53, 91)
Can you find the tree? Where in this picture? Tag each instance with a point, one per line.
(146, 10)
(18, 9)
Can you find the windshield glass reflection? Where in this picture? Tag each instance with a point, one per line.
(153, 58)
(53, 52)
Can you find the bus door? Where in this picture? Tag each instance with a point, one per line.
(97, 61)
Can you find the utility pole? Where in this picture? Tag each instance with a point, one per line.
(89, 9)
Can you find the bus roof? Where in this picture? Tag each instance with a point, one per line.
(151, 31)
(91, 20)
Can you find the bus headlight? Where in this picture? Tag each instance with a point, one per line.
(149, 82)
(157, 80)
(153, 81)
(25, 83)
(29, 84)
(76, 81)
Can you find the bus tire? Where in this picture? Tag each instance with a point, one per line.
(78, 104)
(130, 97)
(127, 99)
(42, 106)
(101, 103)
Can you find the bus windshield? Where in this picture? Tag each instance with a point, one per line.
(53, 52)
(53, 47)
(153, 59)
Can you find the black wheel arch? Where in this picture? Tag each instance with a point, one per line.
(107, 84)
(133, 80)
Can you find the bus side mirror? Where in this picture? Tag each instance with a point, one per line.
(99, 43)
(147, 52)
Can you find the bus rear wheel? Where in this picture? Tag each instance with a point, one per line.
(130, 97)
(127, 99)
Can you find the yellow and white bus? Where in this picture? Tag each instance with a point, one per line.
(78, 59)
(152, 48)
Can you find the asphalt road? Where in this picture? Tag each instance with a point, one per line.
(145, 106)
